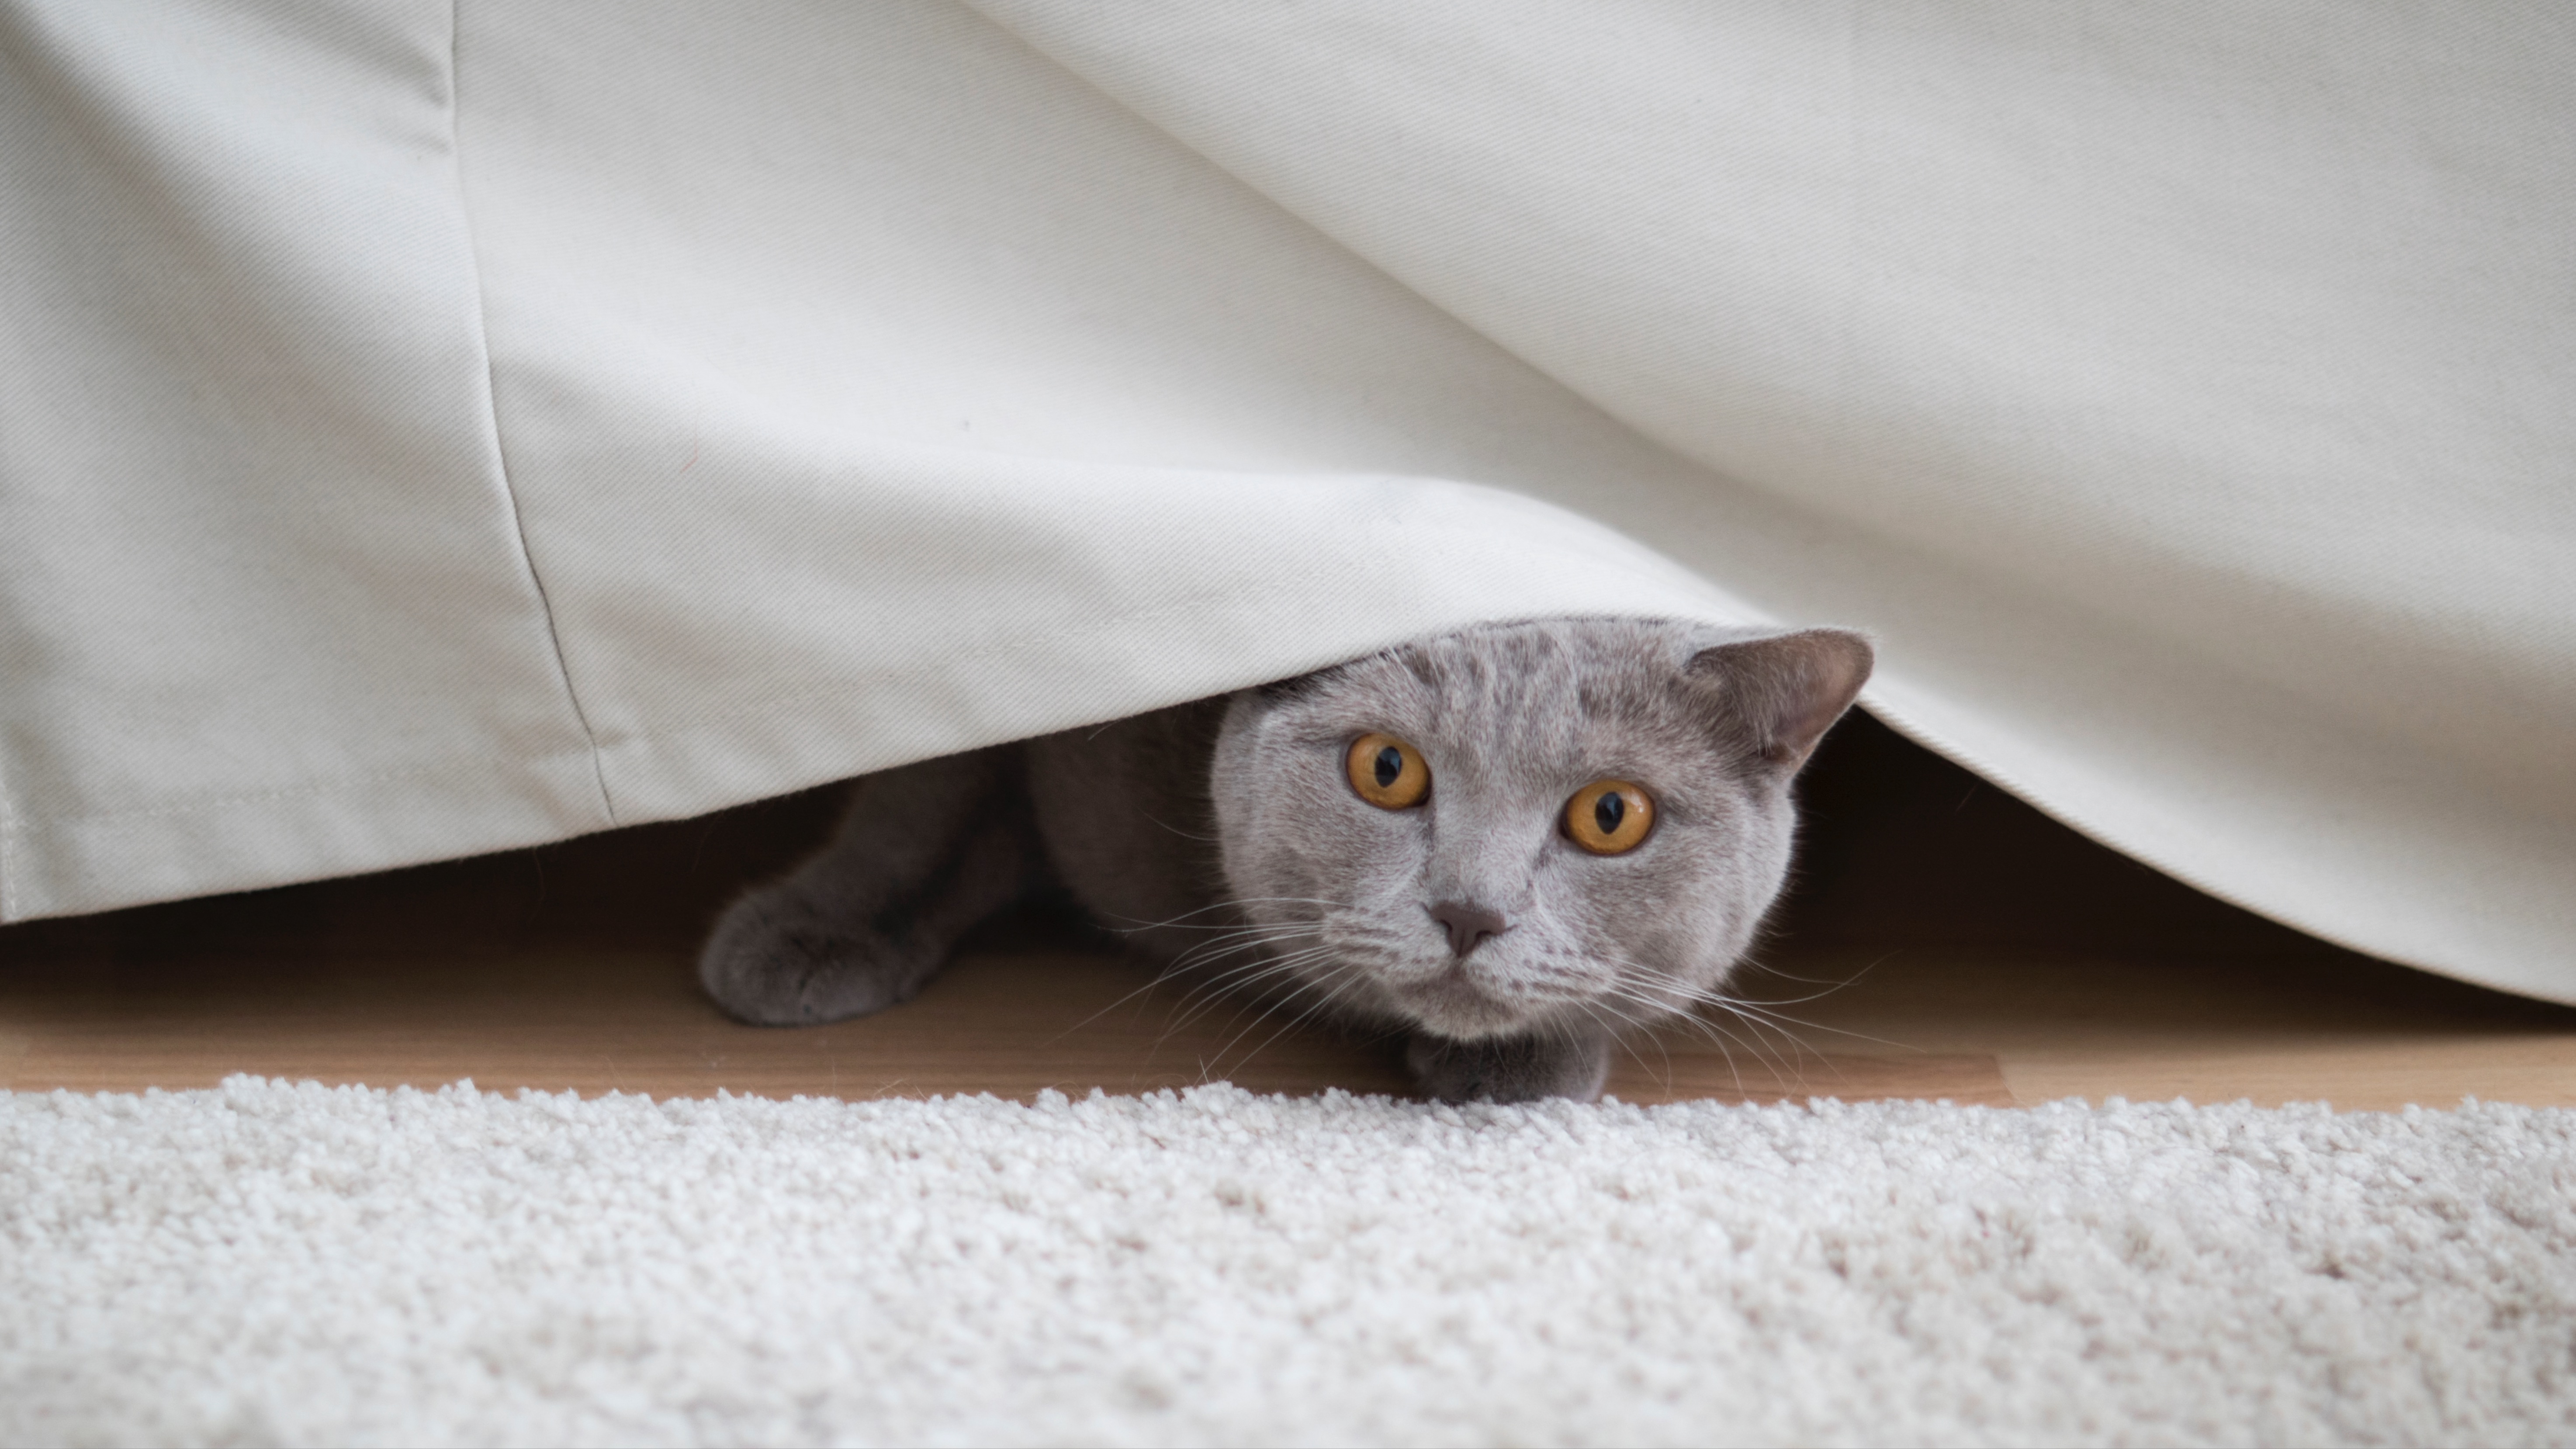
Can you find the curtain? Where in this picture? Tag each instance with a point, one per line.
(431, 430)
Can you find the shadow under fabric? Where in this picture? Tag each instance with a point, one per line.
(431, 429)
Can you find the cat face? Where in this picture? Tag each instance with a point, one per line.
(1516, 828)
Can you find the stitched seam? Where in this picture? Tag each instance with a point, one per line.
(492, 407)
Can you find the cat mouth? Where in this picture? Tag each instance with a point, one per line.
(1453, 1005)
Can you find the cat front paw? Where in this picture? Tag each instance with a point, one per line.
(1509, 1069)
(774, 960)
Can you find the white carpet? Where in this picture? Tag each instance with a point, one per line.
(273, 1263)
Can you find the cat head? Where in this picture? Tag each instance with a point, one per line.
(1515, 827)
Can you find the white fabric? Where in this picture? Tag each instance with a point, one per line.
(294, 1265)
(425, 434)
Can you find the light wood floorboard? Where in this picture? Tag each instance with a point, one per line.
(1944, 942)
(314, 985)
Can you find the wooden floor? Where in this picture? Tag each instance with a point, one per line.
(1944, 942)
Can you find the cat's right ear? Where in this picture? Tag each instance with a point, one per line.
(1785, 691)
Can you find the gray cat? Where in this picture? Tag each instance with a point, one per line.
(1514, 843)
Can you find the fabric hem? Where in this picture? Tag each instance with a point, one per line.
(384, 822)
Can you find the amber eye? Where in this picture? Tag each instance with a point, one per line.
(1609, 817)
(1388, 773)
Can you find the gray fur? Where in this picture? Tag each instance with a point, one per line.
(1223, 836)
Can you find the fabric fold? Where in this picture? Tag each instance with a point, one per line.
(263, 616)
(2110, 346)
(2181, 396)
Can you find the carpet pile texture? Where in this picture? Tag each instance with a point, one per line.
(266, 1262)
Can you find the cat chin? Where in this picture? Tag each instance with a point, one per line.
(1452, 1007)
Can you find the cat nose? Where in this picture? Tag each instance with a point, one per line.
(1469, 924)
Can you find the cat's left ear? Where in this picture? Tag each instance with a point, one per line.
(1788, 689)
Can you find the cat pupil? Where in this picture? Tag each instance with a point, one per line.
(1608, 811)
(1390, 763)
